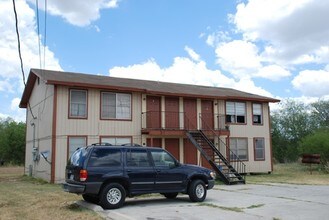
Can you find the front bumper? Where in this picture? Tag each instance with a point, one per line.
(73, 188)
(211, 184)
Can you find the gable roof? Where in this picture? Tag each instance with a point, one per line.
(134, 85)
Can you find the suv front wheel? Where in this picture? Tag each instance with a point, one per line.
(113, 196)
(197, 191)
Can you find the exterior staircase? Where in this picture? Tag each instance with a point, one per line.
(230, 173)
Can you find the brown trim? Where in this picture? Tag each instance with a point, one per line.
(54, 136)
(157, 93)
(244, 160)
(69, 105)
(115, 136)
(270, 136)
(115, 119)
(254, 142)
(252, 114)
(68, 142)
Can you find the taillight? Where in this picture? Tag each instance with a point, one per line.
(83, 175)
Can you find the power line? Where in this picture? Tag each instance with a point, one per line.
(20, 54)
(19, 43)
(38, 28)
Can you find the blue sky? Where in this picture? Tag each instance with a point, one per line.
(276, 48)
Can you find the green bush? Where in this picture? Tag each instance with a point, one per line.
(317, 143)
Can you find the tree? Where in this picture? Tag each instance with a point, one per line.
(317, 143)
(12, 141)
(289, 125)
(320, 113)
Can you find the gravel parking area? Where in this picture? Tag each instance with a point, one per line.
(271, 201)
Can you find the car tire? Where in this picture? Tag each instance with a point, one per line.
(113, 196)
(170, 195)
(197, 191)
(90, 198)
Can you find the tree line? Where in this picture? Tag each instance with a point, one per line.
(297, 128)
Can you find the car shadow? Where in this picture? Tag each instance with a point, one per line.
(147, 201)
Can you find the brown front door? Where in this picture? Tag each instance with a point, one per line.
(153, 115)
(211, 155)
(172, 145)
(172, 113)
(190, 118)
(154, 142)
(207, 115)
(190, 152)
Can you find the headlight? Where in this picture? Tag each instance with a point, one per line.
(213, 175)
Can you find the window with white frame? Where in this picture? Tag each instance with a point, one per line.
(116, 140)
(259, 145)
(257, 113)
(75, 143)
(235, 112)
(78, 103)
(239, 148)
(115, 105)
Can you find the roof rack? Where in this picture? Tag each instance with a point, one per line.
(131, 145)
(101, 144)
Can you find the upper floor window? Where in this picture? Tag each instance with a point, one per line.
(78, 103)
(235, 112)
(257, 113)
(115, 105)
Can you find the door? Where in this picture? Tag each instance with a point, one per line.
(140, 170)
(209, 151)
(172, 112)
(153, 115)
(154, 142)
(207, 115)
(190, 152)
(169, 173)
(172, 145)
(190, 118)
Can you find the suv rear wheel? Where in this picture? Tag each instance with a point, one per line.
(197, 191)
(113, 196)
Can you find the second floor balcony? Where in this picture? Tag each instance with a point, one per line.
(177, 123)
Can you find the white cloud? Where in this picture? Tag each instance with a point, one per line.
(77, 12)
(273, 72)
(192, 53)
(238, 57)
(312, 82)
(297, 31)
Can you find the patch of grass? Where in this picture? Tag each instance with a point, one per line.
(233, 209)
(23, 197)
(292, 173)
(255, 206)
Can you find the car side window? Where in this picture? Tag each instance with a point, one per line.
(105, 157)
(162, 159)
(137, 158)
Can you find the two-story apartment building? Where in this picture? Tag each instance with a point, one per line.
(69, 110)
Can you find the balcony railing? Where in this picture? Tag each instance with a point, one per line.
(181, 121)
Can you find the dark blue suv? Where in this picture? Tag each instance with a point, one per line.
(105, 175)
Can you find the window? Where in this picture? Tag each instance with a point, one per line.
(78, 103)
(138, 158)
(105, 158)
(162, 159)
(75, 143)
(239, 148)
(116, 140)
(115, 105)
(257, 117)
(235, 112)
(259, 147)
